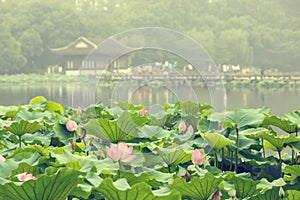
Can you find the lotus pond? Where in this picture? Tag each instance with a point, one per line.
(184, 151)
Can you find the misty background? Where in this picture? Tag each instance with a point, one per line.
(262, 33)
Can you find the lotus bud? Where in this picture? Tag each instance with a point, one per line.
(197, 157)
(2, 159)
(190, 129)
(232, 194)
(217, 195)
(73, 145)
(143, 112)
(78, 111)
(181, 127)
(102, 155)
(281, 193)
(186, 176)
(71, 125)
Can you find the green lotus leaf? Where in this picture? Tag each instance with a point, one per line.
(152, 132)
(265, 185)
(199, 187)
(32, 116)
(255, 159)
(37, 138)
(115, 130)
(181, 139)
(63, 134)
(19, 128)
(291, 172)
(281, 123)
(121, 190)
(268, 145)
(293, 116)
(293, 194)
(134, 178)
(105, 129)
(84, 190)
(130, 122)
(244, 142)
(217, 141)
(37, 100)
(19, 157)
(190, 108)
(54, 107)
(270, 194)
(279, 142)
(86, 163)
(159, 119)
(243, 117)
(174, 156)
(57, 186)
(245, 187)
(8, 111)
(129, 106)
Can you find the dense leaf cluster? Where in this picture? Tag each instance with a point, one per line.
(249, 153)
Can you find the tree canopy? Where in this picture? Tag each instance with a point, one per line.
(261, 33)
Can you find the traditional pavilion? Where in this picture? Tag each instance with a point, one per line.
(87, 57)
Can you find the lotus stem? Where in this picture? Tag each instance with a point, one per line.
(169, 168)
(280, 161)
(222, 164)
(237, 149)
(20, 141)
(296, 133)
(231, 159)
(215, 159)
(263, 148)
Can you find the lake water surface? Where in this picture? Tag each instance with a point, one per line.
(280, 100)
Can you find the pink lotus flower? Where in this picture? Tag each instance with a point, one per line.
(181, 126)
(190, 129)
(197, 157)
(2, 159)
(120, 152)
(143, 112)
(71, 125)
(216, 196)
(25, 177)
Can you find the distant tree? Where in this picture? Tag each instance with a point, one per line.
(31, 46)
(233, 47)
(11, 58)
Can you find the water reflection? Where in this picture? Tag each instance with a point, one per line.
(280, 100)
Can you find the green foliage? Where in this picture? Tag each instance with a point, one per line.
(76, 165)
(52, 186)
(199, 187)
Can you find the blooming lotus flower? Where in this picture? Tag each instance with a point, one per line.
(181, 126)
(2, 159)
(197, 157)
(25, 177)
(71, 125)
(120, 152)
(190, 129)
(143, 112)
(216, 196)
